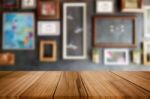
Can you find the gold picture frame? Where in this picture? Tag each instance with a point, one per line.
(146, 55)
(48, 54)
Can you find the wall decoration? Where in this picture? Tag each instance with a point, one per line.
(104, 6)
(114, 31)
(136, 57)
(9, 4)
(132, 5)
(74, 31)
(7, 59)
(48, 51)
(96, 56)
(147, 21)
(48, 9)
(18, 31)
(146, 53)
(51, 28)
(116, 57)
(28, 4)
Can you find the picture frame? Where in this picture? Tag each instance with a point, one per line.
(132, 5)
(28, 4)
(114, 31)
(146, 21)
(136, 57)
(18, 31)
(146, 52)
(10, 4)
(7, 59)
(104, 6)
(48, 28)
(74, 39)
(116, 57)
(48, 9)
(48, 51)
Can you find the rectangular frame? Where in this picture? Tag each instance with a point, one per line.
(11, 7)
(54, 53)
(105, 9)
(115, 45)
(126, 51)
(146, 28)
(139, 9)
(145, 52)
(29, 36)
(51, 28)
(57, 9)
(65, 40)
(23, 6)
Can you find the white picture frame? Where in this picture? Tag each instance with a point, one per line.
(104, 6)
(48, 28)
(108, 55)
(65, 33)
(28, 4)
(147, 21)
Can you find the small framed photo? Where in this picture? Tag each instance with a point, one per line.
(116, 57)
(132, 5)
(48, 51)
(28, 4)
(146, 52)
(104, 6)
(48, 28)
(10, 4)
(48, 9)
(147, 21)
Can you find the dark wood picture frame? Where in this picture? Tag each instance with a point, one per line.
(110, 44)
(52, 58)
(139, 9)
(57, 9)
(10, 6)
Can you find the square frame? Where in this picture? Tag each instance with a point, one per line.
(23, 6)
(105, 4)
(56, 4)
(126, 51)
(48, 28)
(115, 45)
(52, 58)
(145, 52)
(32, 15)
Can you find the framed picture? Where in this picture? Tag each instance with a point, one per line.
(147, 21)
(104, 6)
(7, 59)
(51, 28)
(136, 57)
(10, 4)
(116, 57)
(114, 31)
(132, 5)
(28, 4)
(18, 31)
(146, 52)
(74, 31)
(48, 9)
(48, 51)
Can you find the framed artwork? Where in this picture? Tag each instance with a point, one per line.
(136, 57)
(114, 31)
(9, 4)
(146, 53)
(104, 6)
(18, 31)
(28, 4)
(116, 57)
(7, 59)
(48, 9)
(147, 21)
(50, 28)
(74, 31)
(132, 5)
(48, 51)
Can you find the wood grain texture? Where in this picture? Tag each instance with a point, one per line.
(74, 85)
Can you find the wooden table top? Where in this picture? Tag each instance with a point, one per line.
(74, 85)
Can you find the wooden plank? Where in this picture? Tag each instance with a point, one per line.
(70, 87)
(44, 87)
(142, 79)
(102, 85)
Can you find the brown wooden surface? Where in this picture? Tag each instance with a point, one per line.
(74, 85)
